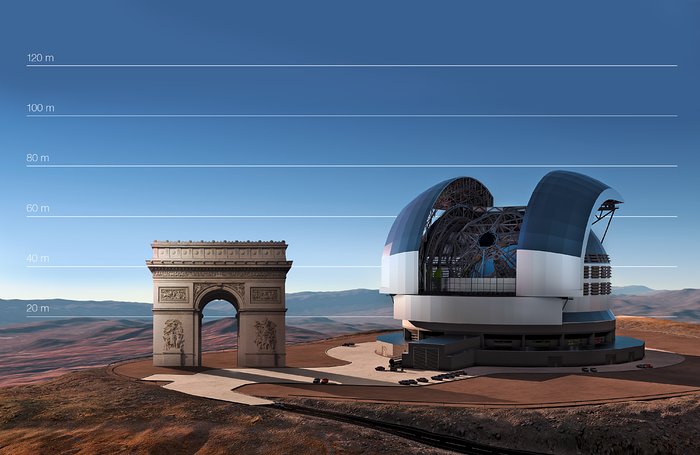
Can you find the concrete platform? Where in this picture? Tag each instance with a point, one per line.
(219, 384)
(360, 371)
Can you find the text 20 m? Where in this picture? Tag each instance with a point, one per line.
(37, 108)
(36, 308)
(38, 57)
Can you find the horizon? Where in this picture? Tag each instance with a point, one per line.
(305, 292)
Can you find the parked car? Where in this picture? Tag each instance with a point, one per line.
(437, 377)
(584, 369)
(645, 365)
(593, 369)
(422, 379)
(349, 344)
(324, 380)
(380, 368)
(405, 382)
(317, 380)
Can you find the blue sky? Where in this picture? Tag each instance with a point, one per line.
(307, 32)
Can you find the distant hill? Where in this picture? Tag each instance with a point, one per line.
(680, 305)
(32, 348)
(358, 302)
(76, 334)
(24, 311)
(632, 290)
(366, 304)
(48, 348)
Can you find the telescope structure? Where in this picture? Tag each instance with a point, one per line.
(477, 284)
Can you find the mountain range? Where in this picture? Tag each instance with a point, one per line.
(45, 338)
(355, 302)
(636, 300)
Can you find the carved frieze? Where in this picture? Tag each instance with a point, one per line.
(231, 274)
(173, 335)
(239, 288)
(266, 335)
(265, 295)
(203, 252)
(172, 295)
(199, 287)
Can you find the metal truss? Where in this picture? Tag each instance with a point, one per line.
(471, 242)
(464, 191)
(606, 210)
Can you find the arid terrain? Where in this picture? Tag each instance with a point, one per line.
(101, 410)
(93, 409)
(41, 350)
(42, 339)
(36, 347)
(669, 426)
(94, 412)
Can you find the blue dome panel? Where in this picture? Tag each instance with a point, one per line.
(409, 226)
(406, 232)
(558, 215)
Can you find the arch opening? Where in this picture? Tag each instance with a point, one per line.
(218, 328)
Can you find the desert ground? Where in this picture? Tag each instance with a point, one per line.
(108, 410)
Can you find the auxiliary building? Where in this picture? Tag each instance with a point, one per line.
(476, 284)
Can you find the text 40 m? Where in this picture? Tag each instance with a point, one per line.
(34, 258)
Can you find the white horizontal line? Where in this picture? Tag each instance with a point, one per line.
(211, 216)
(645, 266)
(315, 316)
(110, 316)
(85, 266)
(354, 65)
(338, 316)
(215, 317)
(293, 267)
(353, 115)
(144, 266)
(336, 266)
(378, 166)
(273, 216)
(351, 65)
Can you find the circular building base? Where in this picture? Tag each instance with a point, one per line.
(623, 350)
(452, 352)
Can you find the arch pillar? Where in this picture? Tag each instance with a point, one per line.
(188, 275)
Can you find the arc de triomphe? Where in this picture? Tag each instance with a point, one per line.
(189, 275)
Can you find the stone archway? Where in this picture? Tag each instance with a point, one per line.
(214, 292)
(249, 275)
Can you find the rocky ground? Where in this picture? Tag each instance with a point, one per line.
(96, 411)
(93, 412)
(670, 426)
(635, 323)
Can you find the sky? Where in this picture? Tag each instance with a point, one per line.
(655, 122)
